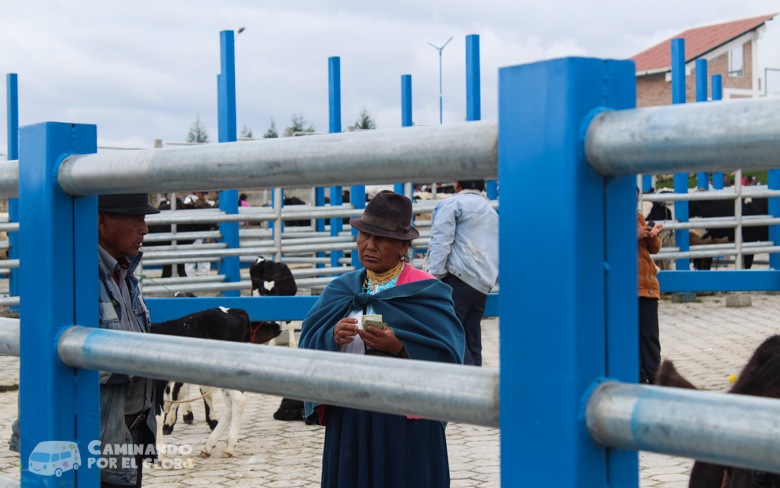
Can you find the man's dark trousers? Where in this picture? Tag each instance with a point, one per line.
(469, 308)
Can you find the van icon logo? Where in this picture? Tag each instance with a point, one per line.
(54, 458)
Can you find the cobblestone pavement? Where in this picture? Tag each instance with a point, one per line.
(707, 341)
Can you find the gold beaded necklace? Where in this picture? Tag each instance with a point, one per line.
(373, 278)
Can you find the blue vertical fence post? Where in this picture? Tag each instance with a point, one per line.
(717, 94)
(773, 181)
(228, 199)
(406, 115)
(12, 98)
(334, 92)
(702, 178)
(680, 179)
(57, 403)
(647, 183)
(357, 196)
(595, 335)
(474, 96)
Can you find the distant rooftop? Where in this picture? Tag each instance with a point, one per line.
(698, 41)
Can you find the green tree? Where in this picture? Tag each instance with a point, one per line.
(246, 133)
(365, 121)
(271, 132)
(197, 132)
(298, 124)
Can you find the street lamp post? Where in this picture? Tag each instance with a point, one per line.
(441, 105)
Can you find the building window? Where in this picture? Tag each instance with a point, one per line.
(737, 61)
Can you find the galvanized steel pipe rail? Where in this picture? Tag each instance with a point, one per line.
(425, 389)
(694, 137)
(732, 430)
(356, 158)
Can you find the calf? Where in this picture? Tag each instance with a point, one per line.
(276, 279)
(272, 279)
(217, 324)
(759, 377)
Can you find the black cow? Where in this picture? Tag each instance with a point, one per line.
(725, 208)
(272, 279)
(759, 377)
(289, 201)
(167, 269)
(217, 324)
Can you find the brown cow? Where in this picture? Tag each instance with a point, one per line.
(759, 377)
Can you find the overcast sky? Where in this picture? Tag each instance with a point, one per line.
(143, 70)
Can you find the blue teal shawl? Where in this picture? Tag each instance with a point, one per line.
(421, 314)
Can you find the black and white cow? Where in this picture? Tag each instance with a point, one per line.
(276, 279)
(272, 279)
(217, 324)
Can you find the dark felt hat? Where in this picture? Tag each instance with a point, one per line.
(388, 214)
(126, 203)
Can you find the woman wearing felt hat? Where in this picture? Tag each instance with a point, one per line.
(409, 314)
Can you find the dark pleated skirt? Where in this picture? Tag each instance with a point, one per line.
(376, 450)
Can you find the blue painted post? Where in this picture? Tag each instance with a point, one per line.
(647, 183)
(717, 94)
(474, 96)
(12, 114)
(406, 115)
(57, 403)
(334, 92)
(680, 179)
(357, 196)
(702, 179)
(228, 199)
(593, 336)
(773, 181)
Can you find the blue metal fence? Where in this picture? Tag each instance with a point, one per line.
(571, 319)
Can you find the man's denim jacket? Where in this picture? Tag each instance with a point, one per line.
(113, 430)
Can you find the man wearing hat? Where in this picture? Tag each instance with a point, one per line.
(126, 402)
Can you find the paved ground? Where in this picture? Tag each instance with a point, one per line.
(707, 341)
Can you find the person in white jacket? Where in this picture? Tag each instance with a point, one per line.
(463, 252)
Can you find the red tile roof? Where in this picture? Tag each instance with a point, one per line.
(698, 41)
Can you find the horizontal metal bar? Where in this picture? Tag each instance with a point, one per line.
(183, 247)
(731, 430)
(719, 222)
(425, 389)
(9, 179)
(715, 253)
(723, 280)
(9, 301)
(273, 308)
(9, 337)
(182, 236)
(178, 280)
(6, 482)
(210, 287)
(185, 260)
(429, 153)
(729, 194)
(9, 227)
(692, 137)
